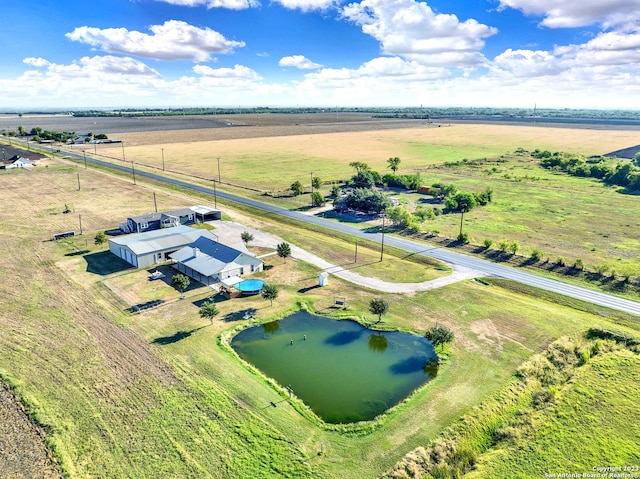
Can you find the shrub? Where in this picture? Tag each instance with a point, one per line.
(578, 265)
(487, 243)
(536, 254)
(463, 238)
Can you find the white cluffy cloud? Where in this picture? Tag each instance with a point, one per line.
(173, 40)
(302, 5)
(95, 67)
(620, 53)
(571, 14)
(229, 4)
(298, 61)
(238, 72)
(411, 29)
(307, 5)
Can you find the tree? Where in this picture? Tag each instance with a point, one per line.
(461, 202)
(284, 251)
(21, 130)
(100, 238)
(359, 166)
(316, 182)
(378, 306)
(270, 292)
(363, 179)
(208, 310)
(439, 335)
(246, 237)
(363, 199)
(399, 216)
(180, 282)
(317, 199)
(393, 164)
(297, 188)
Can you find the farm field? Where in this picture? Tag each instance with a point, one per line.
(158, 394)
(272, 161)
(564, 218)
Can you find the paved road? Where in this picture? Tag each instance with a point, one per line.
(451, 257)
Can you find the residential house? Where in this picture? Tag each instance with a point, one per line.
(17, 162)
(210, 262)
(169, 219)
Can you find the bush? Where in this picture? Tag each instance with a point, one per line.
(463, 238)
(317, 199)
(487, 243)
(536, 254)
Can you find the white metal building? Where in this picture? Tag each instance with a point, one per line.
(152, 247)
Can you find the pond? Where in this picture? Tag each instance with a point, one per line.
(343, 371)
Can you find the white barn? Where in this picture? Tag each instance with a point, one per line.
(152, 247)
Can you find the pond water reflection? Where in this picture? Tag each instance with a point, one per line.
(343, 371)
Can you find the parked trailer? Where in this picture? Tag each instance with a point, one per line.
(65, 234)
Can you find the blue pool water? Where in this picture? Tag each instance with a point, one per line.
(250, 285)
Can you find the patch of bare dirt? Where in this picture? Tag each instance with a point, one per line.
(23, 451)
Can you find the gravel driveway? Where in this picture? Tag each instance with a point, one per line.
(229, 233)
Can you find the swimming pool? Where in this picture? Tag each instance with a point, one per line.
(250, 286)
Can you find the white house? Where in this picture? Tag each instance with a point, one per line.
(151, 247)
(210, 262)
(17, 162)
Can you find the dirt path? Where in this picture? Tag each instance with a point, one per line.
(229, 233)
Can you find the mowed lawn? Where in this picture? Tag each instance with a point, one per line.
(156, 394)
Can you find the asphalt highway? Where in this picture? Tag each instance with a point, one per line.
(485, 267)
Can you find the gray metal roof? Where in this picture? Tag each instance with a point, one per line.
(148, 217)
(208, 257)
(160, 240)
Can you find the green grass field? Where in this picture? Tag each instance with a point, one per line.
(156, 394)
(590, 425)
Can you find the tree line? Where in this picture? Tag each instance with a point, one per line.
(625, 173)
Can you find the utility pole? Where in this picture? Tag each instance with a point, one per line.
(78, 181)
(356, 258)
(155, 204)
(382, 242)
(133, 172)
(80, 219)
(463, 207)
(219, 170)
(215, 195)
(123, 158)
(85, 159)
(163, 159)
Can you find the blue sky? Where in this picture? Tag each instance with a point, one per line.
(174, 53)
